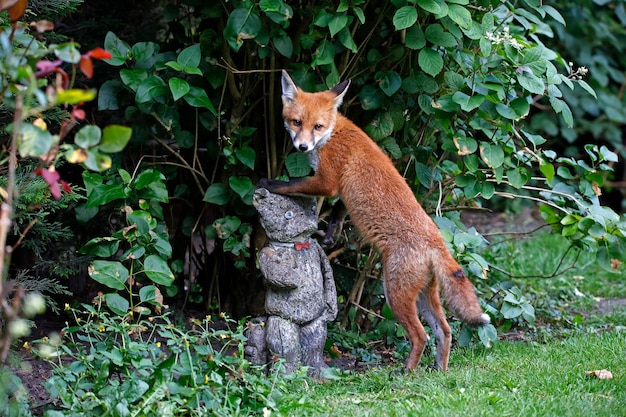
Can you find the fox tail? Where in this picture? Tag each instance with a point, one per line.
(459, 292)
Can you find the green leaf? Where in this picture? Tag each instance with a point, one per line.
(243, 187)
(389, 82)
(297, 164)
(345, 37)
(468, 103)
(189, 57)
(433, 6)
(158, 271)
(143, 51)
(108, 95)
(242, 24)
(110, 273)
(34, 141)
(547, 170)
(283, 45)
(118, 304)
(517, 177)
(102, 194)
(337, 23)
(68, 52)
(197, 97)
(324, 54)
(103, 247)
(151, 89)
(88, 136)
(147, 177)
(492, 155)
(530, 82)
(381, 126)
(118, 48)
(151, 295)
(438, 36)
(115, 138)
(430, 61)
(217, 194)
(371, 97)
(178, 87)
(226, 226)
(405, 17)
(133, 77)
(460, 15)
(488, 335)
(415, 38)
(391, 146)
(246, 156)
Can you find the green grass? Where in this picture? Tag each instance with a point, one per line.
(510, 379)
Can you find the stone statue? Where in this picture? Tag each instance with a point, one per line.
(301, 296)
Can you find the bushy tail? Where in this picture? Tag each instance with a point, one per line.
(459, 291)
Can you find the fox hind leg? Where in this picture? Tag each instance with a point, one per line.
(404, 307)
(430, 308)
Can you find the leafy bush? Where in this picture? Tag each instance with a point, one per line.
(110, 365)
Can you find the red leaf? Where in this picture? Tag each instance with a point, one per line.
(52, 177)
(86, 66)
(78, 113)
(66, 187)
(99, 53)
(16, 11)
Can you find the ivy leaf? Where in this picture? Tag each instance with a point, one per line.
(297, 164)
(217, 194)
(242, 24)
(284, 45)
(34, 141)
(143, 51)
(243, 187)
(189, 57)
(100, 246)
(246, 156)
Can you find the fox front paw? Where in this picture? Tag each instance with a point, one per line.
(269, 184)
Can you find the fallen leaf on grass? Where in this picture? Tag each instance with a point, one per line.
(601, 374)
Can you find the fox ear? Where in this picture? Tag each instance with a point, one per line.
(290, 90)
(340, 90)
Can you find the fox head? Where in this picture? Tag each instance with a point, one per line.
(310, 117)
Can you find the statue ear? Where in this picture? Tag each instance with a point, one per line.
(260, 194)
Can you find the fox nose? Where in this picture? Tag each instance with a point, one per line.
(303, 147)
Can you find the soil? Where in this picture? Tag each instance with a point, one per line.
(34, 373)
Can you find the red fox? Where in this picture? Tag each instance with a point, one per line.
(416, 260)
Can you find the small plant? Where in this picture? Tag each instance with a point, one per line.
(136, 255)
(107, 365)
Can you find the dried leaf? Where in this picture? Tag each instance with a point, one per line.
(16, 11)
(601, 374)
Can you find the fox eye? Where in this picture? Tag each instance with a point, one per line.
(318, 127)
(296, 122)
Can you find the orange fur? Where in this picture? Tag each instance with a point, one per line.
(384, 209)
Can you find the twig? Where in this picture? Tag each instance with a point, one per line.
(556, 272)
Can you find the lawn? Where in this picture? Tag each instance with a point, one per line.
(544, 375)
(510, 379)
